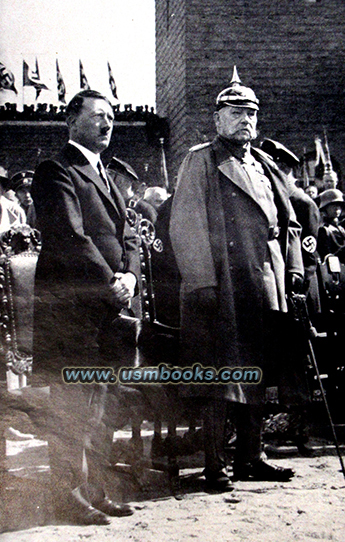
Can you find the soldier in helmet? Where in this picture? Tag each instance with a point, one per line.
(237, 245)
(331, 239)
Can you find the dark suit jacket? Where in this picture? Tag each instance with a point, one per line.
(85, 240)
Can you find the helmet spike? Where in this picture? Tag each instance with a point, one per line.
(235, 76)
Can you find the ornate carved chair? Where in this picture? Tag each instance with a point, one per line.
(19, 249)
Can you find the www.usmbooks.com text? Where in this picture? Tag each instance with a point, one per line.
(162, 374)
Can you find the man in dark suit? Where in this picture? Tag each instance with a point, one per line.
(86, 273)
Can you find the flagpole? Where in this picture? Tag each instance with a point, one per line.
(164, 171)
(328, 165)
(22, 83)
(305, 170)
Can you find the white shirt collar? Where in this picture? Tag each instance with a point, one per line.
(89, 155)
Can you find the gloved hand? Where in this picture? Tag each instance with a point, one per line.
(122, 289)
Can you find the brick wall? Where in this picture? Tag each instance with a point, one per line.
(291, 52)
(171, 54)
(24, 144)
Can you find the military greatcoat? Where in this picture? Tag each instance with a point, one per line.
(220, 237)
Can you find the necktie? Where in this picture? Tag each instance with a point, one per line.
(103, 175)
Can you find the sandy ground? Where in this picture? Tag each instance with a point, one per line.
(309, 507)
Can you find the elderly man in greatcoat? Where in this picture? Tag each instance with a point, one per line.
(237, 245)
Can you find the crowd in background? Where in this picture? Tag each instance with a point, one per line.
(51, 112)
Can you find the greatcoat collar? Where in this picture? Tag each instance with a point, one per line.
(229, 165)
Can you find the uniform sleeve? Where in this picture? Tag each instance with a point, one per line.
(308, 215)
(189, 228)
(324, 245)
(294, 262)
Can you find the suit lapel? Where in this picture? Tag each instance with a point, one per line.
(119, 201)
(79, 162)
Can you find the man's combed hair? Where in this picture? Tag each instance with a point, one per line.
(75, 105)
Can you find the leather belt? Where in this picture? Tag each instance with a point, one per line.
(273, 232)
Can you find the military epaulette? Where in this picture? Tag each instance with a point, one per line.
(200, 146)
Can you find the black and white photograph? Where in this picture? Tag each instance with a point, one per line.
(172, 270)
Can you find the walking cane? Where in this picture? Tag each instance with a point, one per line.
(300, 314)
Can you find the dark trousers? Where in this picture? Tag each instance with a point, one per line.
(214, 434)
(248, 420)
(78, 441)
(284, 353)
